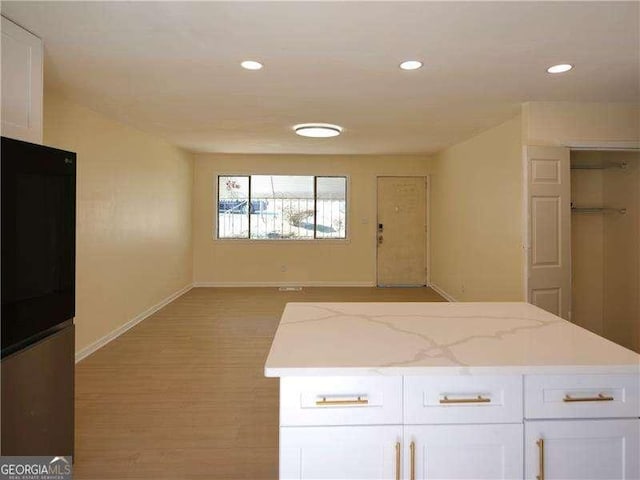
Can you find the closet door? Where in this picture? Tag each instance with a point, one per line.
(549, 229)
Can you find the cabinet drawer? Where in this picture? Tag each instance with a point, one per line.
(340, 401)
(463, 399)
(581, 396)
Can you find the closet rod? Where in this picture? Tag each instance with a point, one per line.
(621, 165)
(621, 211)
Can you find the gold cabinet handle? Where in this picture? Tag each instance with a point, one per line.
(600, 398)
(359, 400)
(412, 448)
(397, 460)
(540, 444)
(478, 399)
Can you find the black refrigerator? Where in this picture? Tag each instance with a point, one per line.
(38, 243)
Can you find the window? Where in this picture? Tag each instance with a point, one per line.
(274, 207)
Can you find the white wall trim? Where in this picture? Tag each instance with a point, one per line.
(525, 224)
(310, 283)
(628, 146)
(440, 291)
(101, 342)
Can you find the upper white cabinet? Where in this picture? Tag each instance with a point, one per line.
(22, 85)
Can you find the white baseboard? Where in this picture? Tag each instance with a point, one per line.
(311, 283)
(88, 350)
(444, 294)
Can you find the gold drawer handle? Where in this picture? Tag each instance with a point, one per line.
(600, 398)
(350, 401)
(478, 399)
(540, 444)
(397, 460)
(412, 447)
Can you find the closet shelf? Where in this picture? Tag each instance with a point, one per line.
(621, 211)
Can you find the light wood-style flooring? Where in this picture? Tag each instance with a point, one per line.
(182, 395)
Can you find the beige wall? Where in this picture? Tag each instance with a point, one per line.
(133, 216)
(581, 124)
(309, 262)
(476, 242)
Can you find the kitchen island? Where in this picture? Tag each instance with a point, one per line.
(451, 390)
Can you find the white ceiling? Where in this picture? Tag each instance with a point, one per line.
(172, 68)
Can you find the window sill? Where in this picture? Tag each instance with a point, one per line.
(284, 241)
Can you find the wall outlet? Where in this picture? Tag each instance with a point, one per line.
(283, 268)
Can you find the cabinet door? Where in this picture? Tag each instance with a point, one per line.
(21, 83)
(582, 449)
(459, 452)
(340, 452)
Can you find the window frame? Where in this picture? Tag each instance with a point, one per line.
(314, 239)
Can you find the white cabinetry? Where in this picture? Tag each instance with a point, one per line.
(22, 85)
(340, 401)
(582, 449)
(447, 427)
(578, 427)
(582, 427)
(354, 453)
(456, 452)
(463, 399)
(581, 396)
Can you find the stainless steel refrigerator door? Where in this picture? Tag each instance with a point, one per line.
(38, 397)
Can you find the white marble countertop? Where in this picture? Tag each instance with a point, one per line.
(436, 339)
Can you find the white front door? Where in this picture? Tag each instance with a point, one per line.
(340, 453)
(401, 231)
(549, 229)
(582, 449)
(473, 452)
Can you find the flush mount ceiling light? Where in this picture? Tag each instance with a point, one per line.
(318, 130)
(251, 65)
(561, 68)
(411, 65)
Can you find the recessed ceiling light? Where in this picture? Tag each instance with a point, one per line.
(251, 65)
(411, 65)
(561, 68)
(317, 130)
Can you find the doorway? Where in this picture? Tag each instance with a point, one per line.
(605, 244)
(402, 231)
(583, 231)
